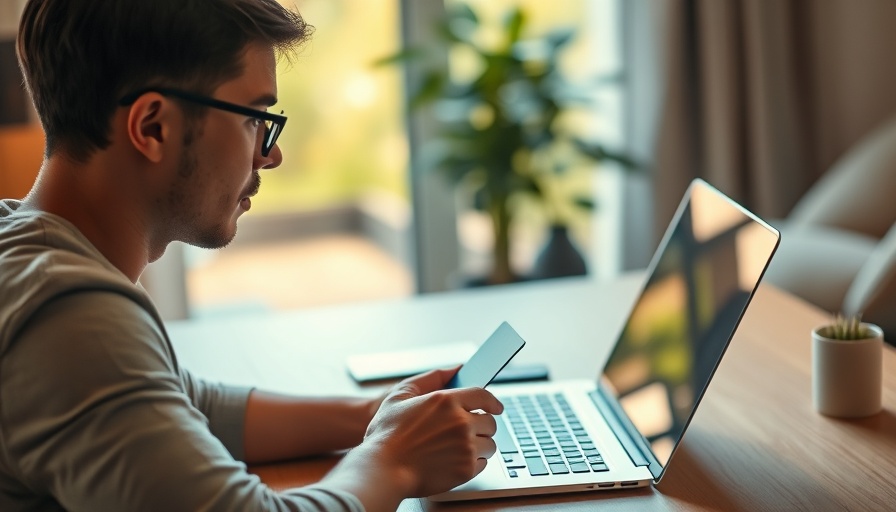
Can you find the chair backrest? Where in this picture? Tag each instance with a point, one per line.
(857, 192)
(873, 291)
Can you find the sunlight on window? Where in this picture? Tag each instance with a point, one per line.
(345, 137)
(346, 157)
(306, 240)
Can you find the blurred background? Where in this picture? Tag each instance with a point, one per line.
(439, 144)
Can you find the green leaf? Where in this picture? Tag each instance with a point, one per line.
(459, 133)
(514, 25)
(457, 168)
(528, 184)
(593, 151)
(463, 11)
(539, 139)
(586, 203)
(598, 153)
(462, 32)
(401, 57)
(429, 91)
(560, 38)
(622, 159)
(448, 34)
(526, 93)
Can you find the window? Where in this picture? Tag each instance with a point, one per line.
(344, 180)
(331, 223)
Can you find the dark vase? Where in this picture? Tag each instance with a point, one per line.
(559, 258)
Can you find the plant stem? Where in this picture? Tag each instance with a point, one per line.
(501, 271)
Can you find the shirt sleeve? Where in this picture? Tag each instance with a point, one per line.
(224, 406)
(96, 416)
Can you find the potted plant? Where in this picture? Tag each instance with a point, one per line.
(847, 367)
(501, 133)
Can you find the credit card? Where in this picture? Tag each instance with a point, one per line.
(489, 359)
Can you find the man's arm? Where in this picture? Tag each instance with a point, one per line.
(94, 417)
(106, 425)
(421, 440)
(283, 427)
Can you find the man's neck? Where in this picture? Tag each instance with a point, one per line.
(106, 212)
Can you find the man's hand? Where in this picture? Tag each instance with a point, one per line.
(423, 440)
(431, 433)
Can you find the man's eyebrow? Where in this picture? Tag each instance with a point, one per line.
(265, 100)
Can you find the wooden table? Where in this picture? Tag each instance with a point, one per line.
(755, 444)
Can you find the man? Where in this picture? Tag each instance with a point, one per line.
(156, 129)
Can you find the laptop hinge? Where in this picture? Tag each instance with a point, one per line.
(628, 443)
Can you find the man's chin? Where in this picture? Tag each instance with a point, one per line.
(217, 239)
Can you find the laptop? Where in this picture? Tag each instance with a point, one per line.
(621, 431)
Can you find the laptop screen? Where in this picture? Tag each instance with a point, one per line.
(700, 281)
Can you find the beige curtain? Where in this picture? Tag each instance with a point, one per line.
(759, 97)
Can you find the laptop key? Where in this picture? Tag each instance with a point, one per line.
(550, 430)
(536, 466)
(514, 461)
(503, 439)
(579, 467)
(559, 469)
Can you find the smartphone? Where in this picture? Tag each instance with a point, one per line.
(491, 357)
(398, 364)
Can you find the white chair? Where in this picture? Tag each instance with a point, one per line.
(838, 245)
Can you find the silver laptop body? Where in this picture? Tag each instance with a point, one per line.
(621, 431)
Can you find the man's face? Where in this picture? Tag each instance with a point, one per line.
(218, 169)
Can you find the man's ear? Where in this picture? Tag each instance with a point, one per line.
(149, 125)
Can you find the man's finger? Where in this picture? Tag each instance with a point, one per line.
(485, 447)
(472, 399)
(485, 425)
(423, 383)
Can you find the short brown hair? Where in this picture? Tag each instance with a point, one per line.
(80, 56)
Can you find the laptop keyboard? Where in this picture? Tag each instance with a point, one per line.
(541, 434)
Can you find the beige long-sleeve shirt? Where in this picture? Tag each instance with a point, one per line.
(96, 414)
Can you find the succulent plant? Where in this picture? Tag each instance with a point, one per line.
(846, 327)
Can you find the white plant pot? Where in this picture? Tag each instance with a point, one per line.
(847, 374)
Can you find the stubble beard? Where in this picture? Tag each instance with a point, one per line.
(187, 219)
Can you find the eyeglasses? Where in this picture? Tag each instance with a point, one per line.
(273, 123)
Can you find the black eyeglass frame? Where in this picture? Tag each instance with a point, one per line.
(271, 132)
